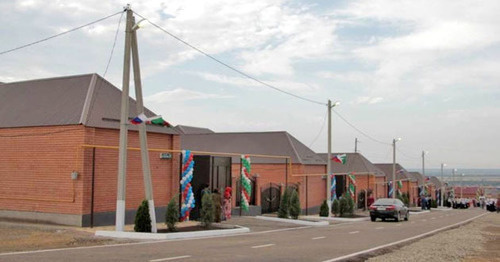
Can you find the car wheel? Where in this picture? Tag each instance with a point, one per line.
(398, 217)
(407, 215)
(383, 219)
(373, 218)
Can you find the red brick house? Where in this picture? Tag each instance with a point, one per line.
(304, 168)
(409, 181)
(367, 175)
(50, 168)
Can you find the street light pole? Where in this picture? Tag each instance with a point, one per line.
(461, 185)
(394, 166)
(442, 184)
(328, 162)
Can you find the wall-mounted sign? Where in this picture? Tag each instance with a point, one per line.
(165, 156)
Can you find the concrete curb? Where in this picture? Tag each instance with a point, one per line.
(341, 219)
(170, 236)
(367, 251)
(295, 221)
(419, 213)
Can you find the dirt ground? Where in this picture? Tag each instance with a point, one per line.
(477, 241)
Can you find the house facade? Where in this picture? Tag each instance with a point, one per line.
(59, 156)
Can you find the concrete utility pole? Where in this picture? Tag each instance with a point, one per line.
(356, 145)
(328, 162)
(442, 185)
(148, 185)
(394, 166)
(131, 47)
(423, 163)
(122, 154)
(461, 185)
(453, 179)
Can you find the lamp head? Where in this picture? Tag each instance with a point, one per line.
(139, 24)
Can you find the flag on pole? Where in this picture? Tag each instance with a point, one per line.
(340, 158)
(155, 120)
(400, 184)
(333, 187)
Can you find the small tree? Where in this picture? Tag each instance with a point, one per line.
(350, 205)
(142, 219)
(342, 206)
(172, 216)
(284, 209)
(434, 203)
(294, 204)
(335, 207)
(207, 210)
(323, 210)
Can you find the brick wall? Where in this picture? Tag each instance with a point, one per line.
(36, 163)
(35, 168)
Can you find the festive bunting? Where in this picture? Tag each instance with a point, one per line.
(333, 187)
(246, 185)
(138, 119)
(391, 190)
(340, 158)
(186, 189)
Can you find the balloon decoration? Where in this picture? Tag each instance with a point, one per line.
(187, 190)
(246, 185)
(352, 185)
(333, 187)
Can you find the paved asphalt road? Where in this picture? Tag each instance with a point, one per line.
(294, 244)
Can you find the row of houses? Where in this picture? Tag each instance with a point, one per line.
(59, 158)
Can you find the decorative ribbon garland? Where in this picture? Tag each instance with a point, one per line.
(246, 185)
(187, 190)
(352, 185)
(391, 190)
(333, 187)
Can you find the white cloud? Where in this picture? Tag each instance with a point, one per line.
(368, 100)
(245, 82)
(180, 94)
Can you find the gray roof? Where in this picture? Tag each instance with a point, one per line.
(434, 180)
(419, 177)
(356, 163)
(88, 99)
(401, 173)
(192, 130)
(263, 143)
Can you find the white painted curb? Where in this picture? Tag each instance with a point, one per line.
(295, 221)
(342, 219)
(170, 236)
(419, 213)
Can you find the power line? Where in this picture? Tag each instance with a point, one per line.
(357, 129)
(228, 66)
(60, 34)
(320, 130)
(114, 44)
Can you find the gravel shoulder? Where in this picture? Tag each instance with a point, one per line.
(475, 241)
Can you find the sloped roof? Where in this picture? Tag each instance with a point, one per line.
(192, 130)
(356, 163)
(263, 143)
(88, 99)
(401, 173)
(434, 180)
(419, 177)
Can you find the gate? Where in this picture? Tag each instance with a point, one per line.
(270, 198)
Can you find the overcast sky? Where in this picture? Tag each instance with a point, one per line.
(425, 71)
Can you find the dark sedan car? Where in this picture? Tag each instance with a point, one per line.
(389, 208)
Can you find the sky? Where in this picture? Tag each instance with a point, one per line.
(423, 71)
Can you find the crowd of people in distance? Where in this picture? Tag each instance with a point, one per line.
(489, 204)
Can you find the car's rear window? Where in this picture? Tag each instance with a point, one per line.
(385, 202)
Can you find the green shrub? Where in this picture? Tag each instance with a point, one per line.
(323, 210)
(295, 204)
(172, 216)
(434, 203)
(207, 210)
(142, 219)
(350, 205)
(335, 207)
(284, 209)
(342, 206)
